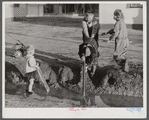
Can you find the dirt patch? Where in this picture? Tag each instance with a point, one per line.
(57, 46)
(121, 83)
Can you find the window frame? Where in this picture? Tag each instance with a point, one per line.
(134, 5)
(16, 5)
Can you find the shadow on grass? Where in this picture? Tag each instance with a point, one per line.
(48, 38)
(51, 21)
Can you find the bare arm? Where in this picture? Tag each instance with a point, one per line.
(96, 27)
(116, 31)
(110, 31)
(85, 29)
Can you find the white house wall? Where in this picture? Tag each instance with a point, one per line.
(132, 15)
(8, 10)
(41, 10)
(32, 10)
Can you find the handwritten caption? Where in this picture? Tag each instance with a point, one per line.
(77, 109)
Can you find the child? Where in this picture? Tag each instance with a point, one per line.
(88, 53)
(90, 27)
(31, 70)
(90, 63)
(120, 35)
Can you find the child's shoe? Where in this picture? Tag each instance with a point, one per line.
(27, 93)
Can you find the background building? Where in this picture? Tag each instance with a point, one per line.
(133, 13)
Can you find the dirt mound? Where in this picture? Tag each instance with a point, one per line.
(110, 80)
(107, 80)
(117, 82)
(65, 75)
(13, 75)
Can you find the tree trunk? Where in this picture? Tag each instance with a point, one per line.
(83, 6)
(65, 8)
(90, 7)
(76, 8)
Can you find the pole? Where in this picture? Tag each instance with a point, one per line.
(84, 80)
(84, 70)
(43, 80)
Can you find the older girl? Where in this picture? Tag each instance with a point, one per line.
(90, 27)
(120, 35)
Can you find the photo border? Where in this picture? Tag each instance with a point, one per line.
(63, 112)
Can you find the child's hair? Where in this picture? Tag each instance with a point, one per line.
(119, 14)
(30, 50)
(89, 15)
(89, 11)
(86, 50)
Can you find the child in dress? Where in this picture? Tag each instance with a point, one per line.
(120, 36)
(31, 68)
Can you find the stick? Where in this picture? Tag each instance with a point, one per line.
(21, 43)
(43, 80)
(84, 79)
(16, 39)
(84, 71)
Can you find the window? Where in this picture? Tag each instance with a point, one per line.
(134, 5)
(16, 5)
(49, 8)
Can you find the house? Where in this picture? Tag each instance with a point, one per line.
(133, 13)
(23, 10)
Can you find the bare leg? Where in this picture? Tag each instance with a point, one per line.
(30, 87)
(94, 69)
(126, 66)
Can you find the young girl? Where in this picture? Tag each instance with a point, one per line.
(120, 35)
(31, 70)
(88, 53)
(90, 27)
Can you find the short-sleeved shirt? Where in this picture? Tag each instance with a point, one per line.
(29, 63)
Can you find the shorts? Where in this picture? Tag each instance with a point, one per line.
(31, 75)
